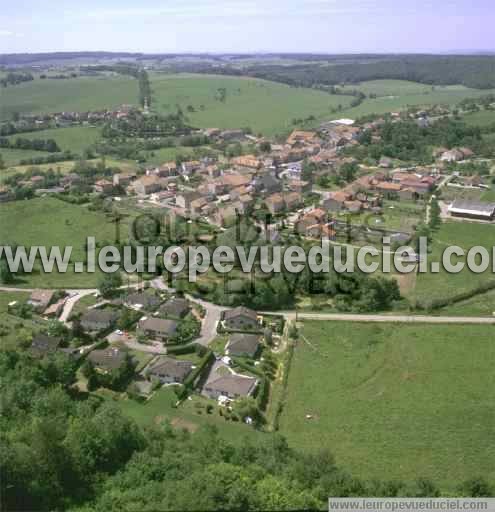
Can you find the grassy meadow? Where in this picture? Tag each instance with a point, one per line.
(395, 401)
(52, 222)
(75, 139)
(264, 106)
(78, 94)
(431, 286)
(396, 95)
(12, 157)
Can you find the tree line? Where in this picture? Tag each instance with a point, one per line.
(48, 145)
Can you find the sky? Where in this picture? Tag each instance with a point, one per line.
(240, 26)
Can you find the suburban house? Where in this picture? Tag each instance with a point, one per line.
(241, 318)
(98, 319)
(40, 299)
(170, 371)
(316, 216)
(157, 328)
(231, 386)
(175, 308)
(147, 301)
(267, 184)
(43, 345)
(243, 345)
(108, 359)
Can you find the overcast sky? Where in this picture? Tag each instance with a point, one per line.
(247, 25)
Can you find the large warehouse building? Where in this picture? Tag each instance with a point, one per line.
(472, 209)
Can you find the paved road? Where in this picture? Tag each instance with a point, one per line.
(424, 319)
(212, 314)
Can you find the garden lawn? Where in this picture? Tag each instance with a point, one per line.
(396, 401)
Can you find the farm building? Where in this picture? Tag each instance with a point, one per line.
(472, 209)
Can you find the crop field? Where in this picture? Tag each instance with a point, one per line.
(396, 95)
(51, 222)
(264, 106)
(75, 139)
(431, 286)
(395, 401)
(80, 94)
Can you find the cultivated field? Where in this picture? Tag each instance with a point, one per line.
(78, 94)
(49, 222)
(12, 157)
(264, 106)
(395, 401)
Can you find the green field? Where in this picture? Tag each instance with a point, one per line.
(13, 329)
(482, 118)
(80, 94)
(75, 139)
(396, 95)
(264, 106)
(51, 222)
(12, 157)
(431, 286)
(396, 401)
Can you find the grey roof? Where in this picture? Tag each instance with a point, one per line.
(175, 307)
(240, 344)
(144, 299)
(109, 358)
(472, 207)
(168, 367)
(158, 325)
(240, 311)
(43, 344)
(98, 315)
(232, 384)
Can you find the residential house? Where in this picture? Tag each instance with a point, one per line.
(224, 216)
(103, 186)
(275, 203)
(187, 168)
(267, 184)
(184, 199)
(170, 371)
(316, 216)
(243, 345)
(147, 185)
(175, 308)
(148, 301)
(246, 161)
(387, 189)
(40, 299)
(123, 180)
(98, 319)
(108, 359)
(241, 318)
(385, 162)
(293, 200)
(300, 186)
(43, 345)
(157, 328)
(335, 202)
(232, 386)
